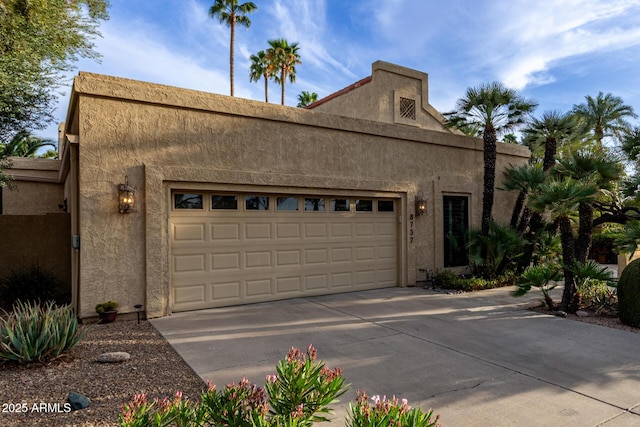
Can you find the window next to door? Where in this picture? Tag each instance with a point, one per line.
(456, 226)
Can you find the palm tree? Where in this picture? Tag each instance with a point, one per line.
(286, 57)
(229, 12)
(631, 146)
(561, 197)
(261, 67)
(605, 116)
(552, 129)
(525, 179)
(306, 98)
(602, 172)
(496, 110)
(24, 144)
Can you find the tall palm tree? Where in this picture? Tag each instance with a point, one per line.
(24, 144)
(306, 98)
(496, 110)
(605, 115)
(551, 130)
(286, 57)
(561, 197)
(525, 179)
(602, 172)
(631, 146)
(229, 12)
(261, 67)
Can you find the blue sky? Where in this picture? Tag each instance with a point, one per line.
(556, 52)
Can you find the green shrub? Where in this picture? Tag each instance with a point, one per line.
(446, 279)
(33, 284)
(385, 412)
(34, 333)
(629, 294)
(103, 307)
(503, 245)
(596, 287)
(541, 276)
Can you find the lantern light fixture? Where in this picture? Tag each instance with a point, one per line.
(421, 204)
(127, 197)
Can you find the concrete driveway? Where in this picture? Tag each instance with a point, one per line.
(477, 359)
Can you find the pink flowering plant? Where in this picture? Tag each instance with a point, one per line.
(299, 394)
(304, 388)
(176, 412)
(241, 404)
(381, 412)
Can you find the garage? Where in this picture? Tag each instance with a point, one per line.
(238, 248)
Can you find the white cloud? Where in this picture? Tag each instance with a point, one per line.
(535, 39)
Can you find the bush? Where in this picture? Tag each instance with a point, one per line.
(387, 413)
(629, 294)
(302, 390)
(504, 246)
(32, 284)
(596, 287)
(541, 276)
(32, 333)
(445, 279)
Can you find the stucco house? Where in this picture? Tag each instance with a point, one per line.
(240, 201)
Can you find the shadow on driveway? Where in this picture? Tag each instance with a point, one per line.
(477, 359)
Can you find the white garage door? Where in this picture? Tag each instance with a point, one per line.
(235, 248)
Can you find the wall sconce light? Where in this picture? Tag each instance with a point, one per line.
(127, 197)
(421, 204)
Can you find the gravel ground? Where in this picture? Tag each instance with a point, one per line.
(154, 368)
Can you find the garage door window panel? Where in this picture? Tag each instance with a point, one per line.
(287, 203)
(256, 203)
(224, 202)
(313, 204)
(340, 205)
(187, 201)
(364, 205)
(385, 205)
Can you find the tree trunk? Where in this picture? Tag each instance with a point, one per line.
(231, 56)
(489, 139)
(282, 80)
(266, 88)
(550, 148)
(524, 219)
(568, 259)
(517, 209)
(585, 230)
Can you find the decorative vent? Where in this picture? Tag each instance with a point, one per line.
(407, 108)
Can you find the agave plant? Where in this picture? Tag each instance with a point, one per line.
(34, 333)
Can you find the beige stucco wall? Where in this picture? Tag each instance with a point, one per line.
(29, 240)
(36, 188)
(164, 138)
(378, 99)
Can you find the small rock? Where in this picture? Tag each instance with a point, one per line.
(114, 357)
(77, 401)
(561, 313)
(582, 313)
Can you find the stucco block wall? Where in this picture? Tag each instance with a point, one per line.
(166, 138)
(32, 198)
(36, 188)
(44, 240)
